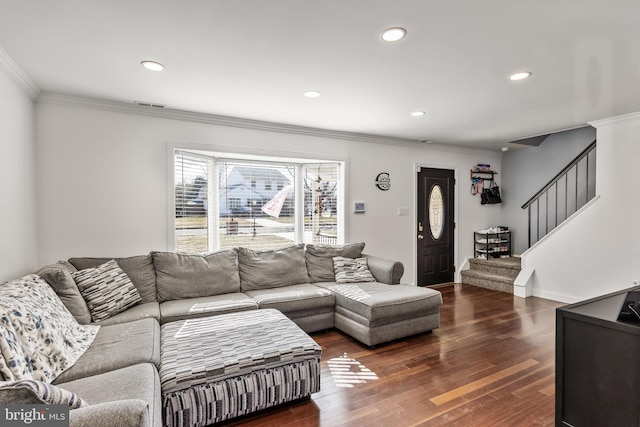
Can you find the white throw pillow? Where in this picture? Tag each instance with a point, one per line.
(106, 289)
(352, 270)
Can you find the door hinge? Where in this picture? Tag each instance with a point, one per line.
(455, 225)
(454, 268)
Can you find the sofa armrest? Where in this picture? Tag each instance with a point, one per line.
(385, 270)
(119, 413)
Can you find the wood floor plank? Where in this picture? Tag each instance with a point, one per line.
(491, 363)
(484, 382)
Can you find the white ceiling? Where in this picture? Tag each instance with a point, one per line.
(253, 59)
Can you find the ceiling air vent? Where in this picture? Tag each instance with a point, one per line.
(149, 104)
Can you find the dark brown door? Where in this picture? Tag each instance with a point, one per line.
(435, 226)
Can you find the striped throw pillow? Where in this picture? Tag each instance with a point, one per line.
(106, 289)
(352, 270)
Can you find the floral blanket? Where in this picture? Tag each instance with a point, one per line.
(39, 338)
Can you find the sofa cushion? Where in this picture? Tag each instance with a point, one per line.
(352, 270)
(190, 276)
(58, 276)
(293, 298)
(117, 413)
(139, 268)
(140, 311)
(319, 259)
(205, 306)
(32, 391)
(376, 301)
(123, 397)
(39, 338)
(271, 268)
(115, 347)
(107, 290)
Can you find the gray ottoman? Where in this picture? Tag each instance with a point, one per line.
(220, 367)
(375, 313)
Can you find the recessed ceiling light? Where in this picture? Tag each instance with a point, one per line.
(393, 34)
(312, 94)
(152, 65)
(520, 75)
(418, 113)
(505, 149)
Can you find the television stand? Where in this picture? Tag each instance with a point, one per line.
(597, 364)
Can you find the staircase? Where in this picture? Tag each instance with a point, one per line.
(564, 195)
(497, 274)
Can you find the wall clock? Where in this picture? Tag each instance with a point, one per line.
(383, 181)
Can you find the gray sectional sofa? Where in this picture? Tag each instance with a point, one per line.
(119, 374)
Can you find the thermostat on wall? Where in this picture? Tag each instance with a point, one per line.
(359, 207)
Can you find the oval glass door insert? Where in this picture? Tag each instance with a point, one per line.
(436, 212)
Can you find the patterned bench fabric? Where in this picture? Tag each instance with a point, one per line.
(220, 367)
(206, 404)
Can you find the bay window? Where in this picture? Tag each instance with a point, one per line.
(266, 203)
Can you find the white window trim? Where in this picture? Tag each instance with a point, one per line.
(255, 155)
(213, 215)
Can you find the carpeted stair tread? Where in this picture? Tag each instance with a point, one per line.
(486, 276)
(496, 274)
(509, 263)
(509, 267)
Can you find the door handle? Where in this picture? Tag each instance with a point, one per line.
(420, 237)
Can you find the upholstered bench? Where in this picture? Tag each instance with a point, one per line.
(374, 312)
(216, 368)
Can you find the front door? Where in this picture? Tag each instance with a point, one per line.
(435, 228)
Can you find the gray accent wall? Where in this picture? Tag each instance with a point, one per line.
(525, 171)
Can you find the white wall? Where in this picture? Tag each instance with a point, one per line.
(102, 179)
(597, 252)
(18, 250)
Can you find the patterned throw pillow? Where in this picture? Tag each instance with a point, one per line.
(352, 270)
(46, 393)
(107, 290)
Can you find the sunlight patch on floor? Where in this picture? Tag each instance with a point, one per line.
(347, 372)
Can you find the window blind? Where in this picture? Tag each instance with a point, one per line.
(191, 203)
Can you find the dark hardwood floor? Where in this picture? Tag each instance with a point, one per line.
(491, 363)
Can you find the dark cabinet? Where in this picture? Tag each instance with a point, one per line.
(597, 364)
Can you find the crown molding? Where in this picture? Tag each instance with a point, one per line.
(213, 119)
(18, 76)
(616, 119)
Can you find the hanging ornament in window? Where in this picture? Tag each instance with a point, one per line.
(383, 181)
